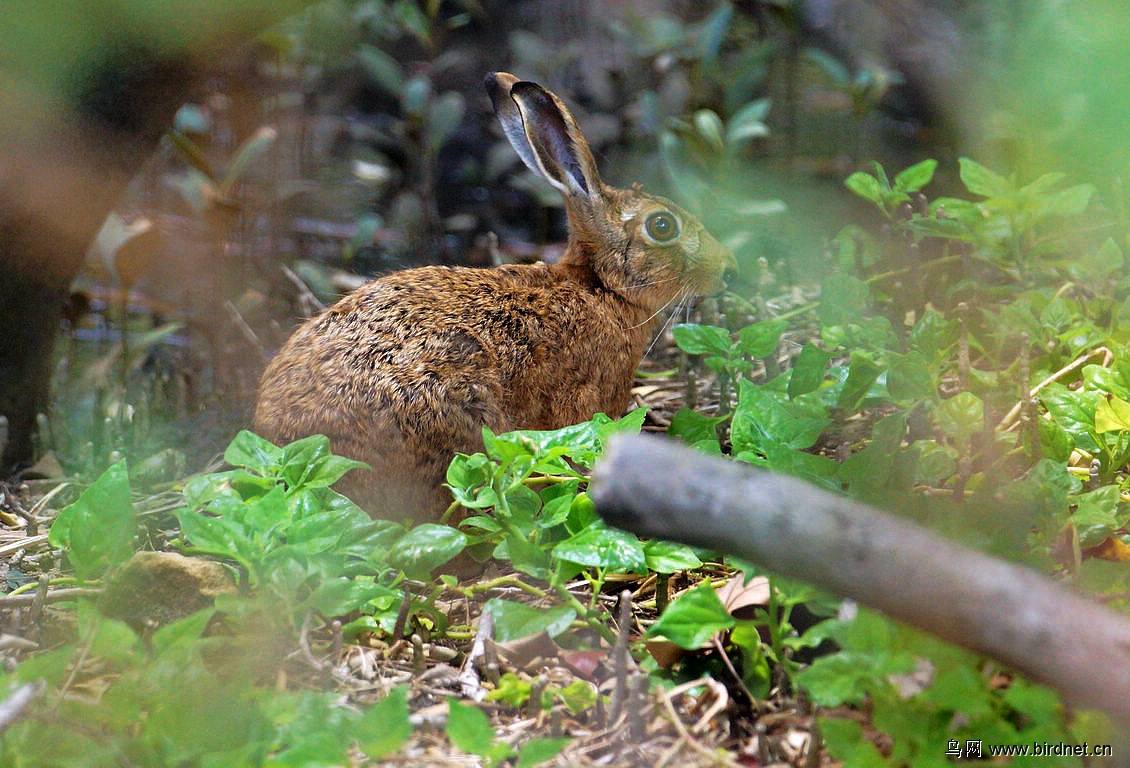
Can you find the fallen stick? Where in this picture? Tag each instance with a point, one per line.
(659, 489)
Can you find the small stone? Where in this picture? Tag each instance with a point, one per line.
(161, 587)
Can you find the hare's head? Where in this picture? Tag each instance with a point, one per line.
(643, 247)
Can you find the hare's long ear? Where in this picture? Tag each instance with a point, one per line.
(545, 135)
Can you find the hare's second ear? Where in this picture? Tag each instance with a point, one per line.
(545, 135)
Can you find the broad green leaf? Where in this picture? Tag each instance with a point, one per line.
(578, 696)
(1055, 442)
(541, 750)
(469, 728)
(97, 530)
(516, 620)
(338, 596)
(385, 726)
(694, 427)
(960, 417)
(959, 689)
(866, 186)
(1072, 410)
(981, 181)
(309, 463)
(252, 452)
(669, 557)
(693, 618)
(1096, 515)
(916, 176)
(862, 374)
(1071, 201)
(936, 463)
(601, 547)
(761, 339)
(764, 417)
(932, 334)
(1112, 414)
(846, 743)
(808, 371)
(843, 299)
(702, 339)
(909, 377)
(426, 547)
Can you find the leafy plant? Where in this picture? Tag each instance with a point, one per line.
(542, 522)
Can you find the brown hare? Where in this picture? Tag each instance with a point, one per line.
(405, 371)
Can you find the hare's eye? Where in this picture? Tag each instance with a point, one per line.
(661, 227)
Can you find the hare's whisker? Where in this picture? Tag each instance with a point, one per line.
(640, 286)
(657, 312)
(683, 295)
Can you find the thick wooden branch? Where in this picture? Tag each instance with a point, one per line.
(1014, 614)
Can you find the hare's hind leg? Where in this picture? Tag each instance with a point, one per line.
(411, 446)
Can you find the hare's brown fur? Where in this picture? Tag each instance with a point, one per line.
(405, 371)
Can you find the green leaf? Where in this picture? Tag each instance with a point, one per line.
(538, 751)
(761, 339)
(808, 370)
(960, 417)
(516, 620)
(1071, 201)
(254, 453)
(916, 176)
(693, 618)
(866, 186)
(748, 123)
(936, 463)
(669, 557)
(959, 689)
(694, 427)
(97, 530)
(338, 596)
(1055, 442)
(765, 417)
(426, 547)
(469, 728)
(845, 742)
(385, 726)
(308, 463)
(578, 696)
(981, 181)
(863, 372)
(702, 339)
(843, 299)
(1112, 414)
(1096, 515)
(382, 68)
(708, 125)
(909, 377)
(444, 116)
(932, 334)
(601, 547)
(250, 150)
(1074, 411)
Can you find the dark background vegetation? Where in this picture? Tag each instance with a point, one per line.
(382, 153)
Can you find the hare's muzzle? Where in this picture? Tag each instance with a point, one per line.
(721, 265)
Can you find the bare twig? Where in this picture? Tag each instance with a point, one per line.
(13, 708)
(1009, 419)
(1011, 613)
(57, 596)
